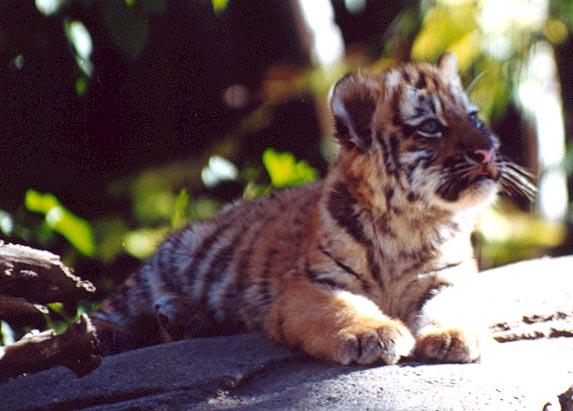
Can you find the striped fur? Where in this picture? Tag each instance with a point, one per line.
(357, 268)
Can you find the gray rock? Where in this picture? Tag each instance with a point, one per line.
(245, 371)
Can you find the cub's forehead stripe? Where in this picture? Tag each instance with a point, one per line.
(421, 82)
(417, 106)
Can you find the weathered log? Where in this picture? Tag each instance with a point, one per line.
(77, 349)
(38, 276)
(19, 308)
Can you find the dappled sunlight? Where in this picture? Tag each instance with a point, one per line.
(81, 40)
(143, 242)
(327, 43)
(509, 234)
(49, 7)
(538, 94)
(6, 333)
(355, 6)
(218, 170)
(501, 16)
(6, 223)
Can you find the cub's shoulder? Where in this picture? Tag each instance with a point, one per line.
(286, 200)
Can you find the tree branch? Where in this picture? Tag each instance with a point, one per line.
(15, 307)
(77, 349)
(38, 276)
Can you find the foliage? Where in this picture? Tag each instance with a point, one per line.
(180, 212)
(156, 208)
(219, 5)
(508, 235)
(285, 171)
(59, 219)
(491, 41)
(126, 22)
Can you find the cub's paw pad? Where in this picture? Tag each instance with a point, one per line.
(448, 345)
(388, 342)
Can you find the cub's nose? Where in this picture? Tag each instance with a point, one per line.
(481, 156)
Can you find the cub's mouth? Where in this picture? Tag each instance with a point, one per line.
(486, 172)
(476, 181)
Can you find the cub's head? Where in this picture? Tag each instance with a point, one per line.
(416, 126)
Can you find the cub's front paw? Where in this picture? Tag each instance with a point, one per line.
(447, 345)
(387, 340)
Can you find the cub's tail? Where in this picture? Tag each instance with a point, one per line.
(119, 328)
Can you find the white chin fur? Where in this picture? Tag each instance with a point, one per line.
(474, 197)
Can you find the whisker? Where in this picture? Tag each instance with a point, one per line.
(506, 162)
(510, 189)
(464, 173)
(521, 180)
(460, 170)
(513, 186)
(459, 165)
(518, 179)
(521, 170)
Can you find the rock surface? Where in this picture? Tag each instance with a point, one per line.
(245, 371)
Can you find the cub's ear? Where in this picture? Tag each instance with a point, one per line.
(448, 66)
(353, 103)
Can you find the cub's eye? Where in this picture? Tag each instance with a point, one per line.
(476, 122)
(430, 128)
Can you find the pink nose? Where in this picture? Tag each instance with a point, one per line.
(483, 156)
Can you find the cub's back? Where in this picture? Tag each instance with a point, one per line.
(224, 269)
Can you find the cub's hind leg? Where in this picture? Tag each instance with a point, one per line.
(336, 325)
(180, 319)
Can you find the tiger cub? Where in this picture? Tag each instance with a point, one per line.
(359, 268)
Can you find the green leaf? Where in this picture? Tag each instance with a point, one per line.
(285, 171)
(254, 190)
(202, 208)
(219, 5)
(40, 202)
(76, 230)
(180, 212)
(109, 236)
(57, 308)
(142, 243)
(81, 86)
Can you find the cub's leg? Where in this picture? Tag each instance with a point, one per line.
(336, 325)
(180, 319)
(448, 326)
